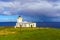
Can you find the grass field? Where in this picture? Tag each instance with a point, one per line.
(10, 33)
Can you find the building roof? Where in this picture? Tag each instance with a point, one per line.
(27, 22)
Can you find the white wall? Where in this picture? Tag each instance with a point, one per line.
(34, 24)
(26, 25)
(17, 25)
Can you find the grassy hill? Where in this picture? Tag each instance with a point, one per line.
(10, 33)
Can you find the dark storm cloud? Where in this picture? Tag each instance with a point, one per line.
(6, 0)
(48, 9)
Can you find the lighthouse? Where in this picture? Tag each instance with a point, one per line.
(19, 19)
(21, 23)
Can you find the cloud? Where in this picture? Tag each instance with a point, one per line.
(27, 7)
(12, 7)
(48, 8)
(45, 7)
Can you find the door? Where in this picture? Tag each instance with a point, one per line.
(31, 26)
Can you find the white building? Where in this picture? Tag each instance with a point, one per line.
(20, 23)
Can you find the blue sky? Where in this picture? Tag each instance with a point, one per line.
(30, 10)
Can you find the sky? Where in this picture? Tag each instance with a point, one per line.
(30, 10)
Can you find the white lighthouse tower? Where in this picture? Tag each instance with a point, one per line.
(19, 19)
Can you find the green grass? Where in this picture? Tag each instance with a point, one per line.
(10, 33)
